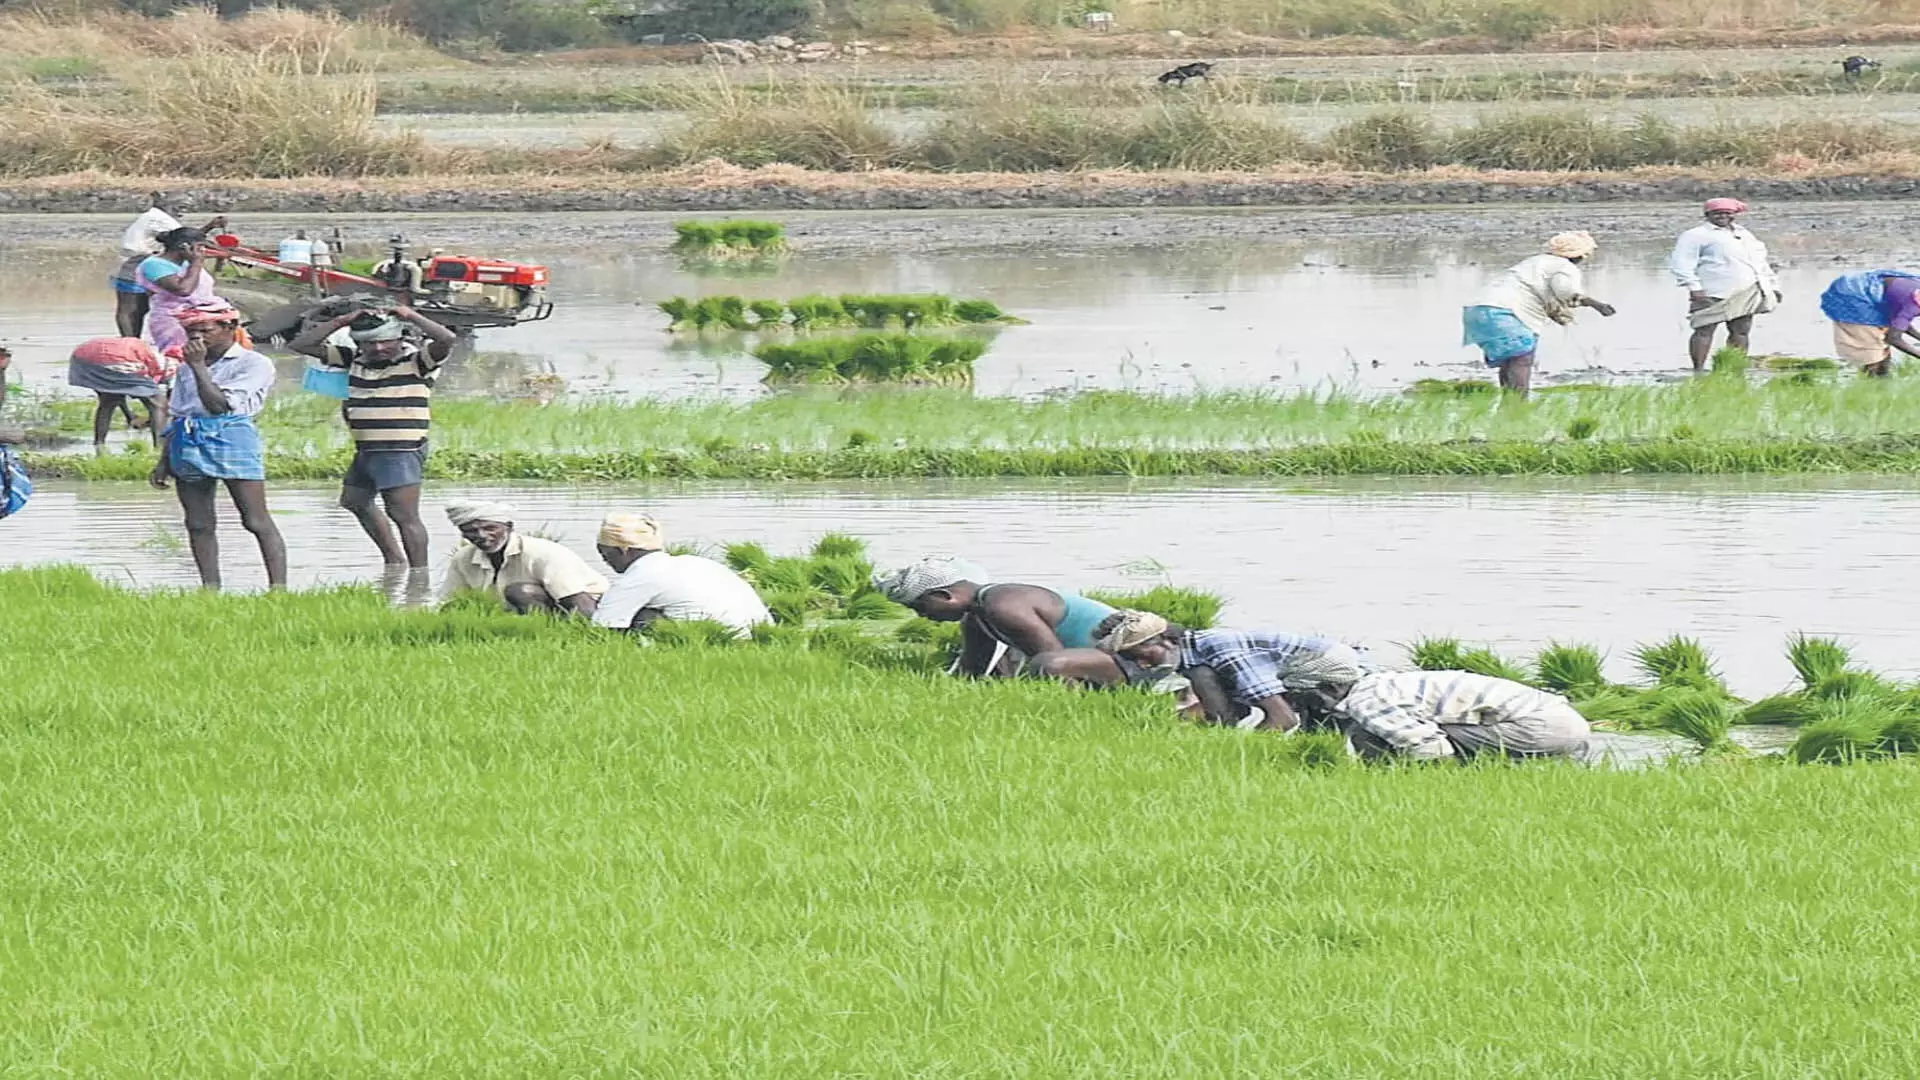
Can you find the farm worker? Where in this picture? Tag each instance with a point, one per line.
(175, 281)
(1008, 628)
(391, 365)
(141, 242)
(1507, 317)
(654, 583)
(527, 573)
(1252, 669)
(1428, 715)
(1873, 313)
(1728, 279)
(118, 368)
(211, 437)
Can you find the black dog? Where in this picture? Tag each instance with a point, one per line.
(1196, 70)
(1854, 65)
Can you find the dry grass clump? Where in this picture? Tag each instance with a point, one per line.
(210, 115)
(310, 40)
(818, 126)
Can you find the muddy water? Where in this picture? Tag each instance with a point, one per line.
(1739, 564)
(1155, 300)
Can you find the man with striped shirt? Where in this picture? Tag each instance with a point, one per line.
(1429, 715)
(390, 374)
(1240, 677)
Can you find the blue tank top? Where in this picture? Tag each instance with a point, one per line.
(1075, 629)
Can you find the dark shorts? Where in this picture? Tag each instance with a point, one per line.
(384, 470)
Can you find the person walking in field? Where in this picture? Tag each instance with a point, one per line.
(117, 369)
(1434, 715)
(1873, 313)
(1728, 277)
(1506, 318)
(654, 584)
(391, 366)
(212, 439)
(1239, 677)
(529, 574)
(140, 243)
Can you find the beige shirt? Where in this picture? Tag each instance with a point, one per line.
(1540, 290)
(528, 560)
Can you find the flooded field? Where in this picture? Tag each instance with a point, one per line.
(1739, 563)
(1152, 300)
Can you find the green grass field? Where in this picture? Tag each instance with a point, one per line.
(307, 835)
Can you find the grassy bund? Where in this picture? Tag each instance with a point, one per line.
(1805, 422)
(309, 834)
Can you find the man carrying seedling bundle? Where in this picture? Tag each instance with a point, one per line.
(1234, 671)
(1507, 317)
(528, 573)
(1432, 715)
(655, 584)
(390, 374)
(1006, 629)
(1873, 313)
(1728, 279)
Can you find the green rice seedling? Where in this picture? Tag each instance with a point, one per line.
(839, 546)
(679, 312)
(747, 557)
(1191, 608)
(1799, 363)
(1900, 735)
(898, 311)
(1728, 360)
(1484, 661)
(785, 573)
(1582, 428)
(721, 313)
(1315, 750)
(1816, 658)
(699, 633)
(1572, 670)
(729, 238)
(871, 606)
(978, 311)
(767, 313)
(814, 312)
(1437, 654)
(1845, 732)
(1617, 708)
(861, 358)
(1783, 710)
(921, 631)
(841, 576)
(695, 235)
(1700, 715)
(1852, 684)
(1678, 662)
(1452, 387)
(789, 607)
(781, 633)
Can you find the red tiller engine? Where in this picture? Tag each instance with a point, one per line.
(490, 283)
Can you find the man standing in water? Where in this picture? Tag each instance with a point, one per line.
(141, 242)
(212, 439)
(390, 374)
(1728, 279)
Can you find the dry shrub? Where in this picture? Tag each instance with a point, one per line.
(213, 115)
(1201, 136)
(1015, 137)
(1544, 141)
(1385, 142)
(817, 126)
(307, 40)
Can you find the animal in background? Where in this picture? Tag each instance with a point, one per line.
(1179, 76)
(1854, 66)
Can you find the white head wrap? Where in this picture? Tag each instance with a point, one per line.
(388, 330)
(630, 532)
(1130, 629)
(469, 511)
(916, 579)
(1572, 245)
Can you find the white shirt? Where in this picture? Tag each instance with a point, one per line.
(243, 375)
(143, 236)
(1721, 262)
(1540, 290)
(684, 588)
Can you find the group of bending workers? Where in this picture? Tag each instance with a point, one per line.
(1729, 279)
(1250, 679)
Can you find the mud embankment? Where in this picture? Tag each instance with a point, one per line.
(727, 188)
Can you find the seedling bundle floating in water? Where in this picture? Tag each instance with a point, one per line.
(873, 358)
(911, 311)
(729, 239)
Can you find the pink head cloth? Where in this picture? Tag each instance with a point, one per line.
(1731, 206)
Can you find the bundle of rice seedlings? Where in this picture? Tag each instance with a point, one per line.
(839, 546)
(905, 311)
(1728, 360)
(1699, 715)
(895, 357)
(1900, 736)
(1816, 658)
(1582, 428)
(723, 238)
(1437, 654)
(1853, 684)
(1786, 710)
(1573, 670)
(1484, 661)
(817, 312)
(679, 312)
(871, 606)
(1190, 608)
(778, 634)
(747, 558)
(767, 313)
(696, 632)
(1846, 731)
(1315, 750)
(786, 572)
(979, 311)
(927, 632)
(1618, 709)
(789, 607)
(1679, 662)
(1451, 387)
(842, 577)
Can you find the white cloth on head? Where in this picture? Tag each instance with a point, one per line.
(1721, 262)
(684, 588)
(1540, 291)
(143, 236)
(388, 330)
(916, 579)
(467, 511)
(1573, 245)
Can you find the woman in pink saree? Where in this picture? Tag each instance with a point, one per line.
(177, 282)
